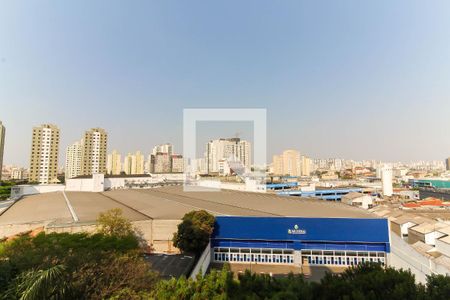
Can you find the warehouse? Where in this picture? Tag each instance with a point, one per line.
(300, 241)
(158, 211)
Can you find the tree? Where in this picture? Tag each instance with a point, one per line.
(114, 275)
(214, 285)
(194, 232)
(438, 287)
(41, 284)
(368, 281)
(25, 259)
(113, 223)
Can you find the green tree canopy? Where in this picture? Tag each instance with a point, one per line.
(113, 223)
(194, 232)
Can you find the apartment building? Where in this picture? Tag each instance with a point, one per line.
(233, 149)
(73, 160)
(94, 152)
(44, 154)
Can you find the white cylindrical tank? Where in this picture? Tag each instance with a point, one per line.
(386, 180)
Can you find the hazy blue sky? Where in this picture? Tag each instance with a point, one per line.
(348, 79)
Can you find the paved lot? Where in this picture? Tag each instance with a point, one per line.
(171, 265)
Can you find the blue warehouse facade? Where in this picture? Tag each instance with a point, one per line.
(300, 241)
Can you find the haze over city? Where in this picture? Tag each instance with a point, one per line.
(349, 80)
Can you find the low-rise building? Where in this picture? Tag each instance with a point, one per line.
(426, 232)
(177, 163)
(401, 224)
(358, 199)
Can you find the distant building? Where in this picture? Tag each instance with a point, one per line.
(161, 163)
(305, 166)
(18, 173)
(288, 163)
(137, 163)
(73, 160)
(386, 180)
(163, 148)
(447, 164)
(358, 199)
(113, 163)
(224, 168)
(94, 152)
(201, 166)
(177, 163)
(222, 149)
(2, 146)
(134, 164)
(127, 163)
(44, 154)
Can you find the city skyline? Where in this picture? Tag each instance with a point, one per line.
(242, 134)
(356, 81)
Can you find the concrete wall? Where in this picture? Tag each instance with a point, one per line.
(162, 234)
(396, 228)
(80, 185)
(202, 263)
(157, 233)
(414, 236)
(249, 186)
(24, 190)
(114, 183)
(13, 229)
(443, 247)
(405, 257)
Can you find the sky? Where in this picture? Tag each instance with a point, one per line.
(348, 79)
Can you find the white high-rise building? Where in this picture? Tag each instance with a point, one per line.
(163, 148)
(73, 160)
(227, 149)
(2, 146)
(386, 180)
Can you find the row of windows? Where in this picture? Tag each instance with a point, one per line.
(255, 250)
(340, 260)
(286, 256)
(253, 257)
(343, 253)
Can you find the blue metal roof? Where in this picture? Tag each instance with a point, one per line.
(302, 230)
(281, 185)
(319, 193)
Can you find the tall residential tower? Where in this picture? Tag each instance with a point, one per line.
(44, 154)
(232, 149)
(73, 160)
(94, 152)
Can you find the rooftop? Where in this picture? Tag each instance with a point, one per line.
(428, 227)
(169, 203)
